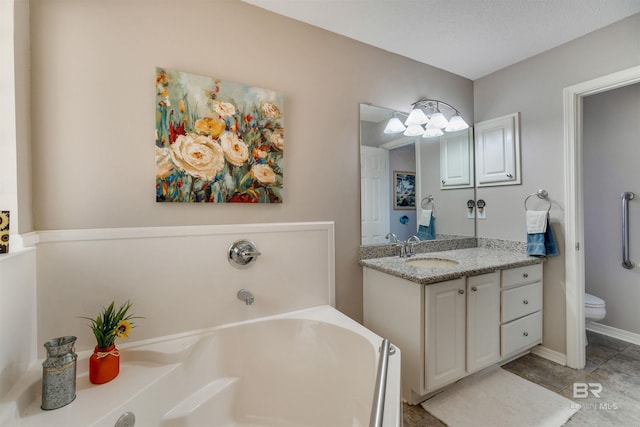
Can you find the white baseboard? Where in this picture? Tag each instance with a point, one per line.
(549, 354)
(612, 332)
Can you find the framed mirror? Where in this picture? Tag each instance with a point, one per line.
(384, 156)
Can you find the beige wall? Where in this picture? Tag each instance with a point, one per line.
(93, 112)
(15, 170)
(534, 88)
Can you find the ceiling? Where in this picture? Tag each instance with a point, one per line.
(470, 38)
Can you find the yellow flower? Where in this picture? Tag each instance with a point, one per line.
(209, 126)
(123, 329)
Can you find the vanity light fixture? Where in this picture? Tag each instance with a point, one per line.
(427, 112)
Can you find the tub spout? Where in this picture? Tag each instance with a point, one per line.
(246, 296)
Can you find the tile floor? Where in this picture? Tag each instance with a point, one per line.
(613, 363)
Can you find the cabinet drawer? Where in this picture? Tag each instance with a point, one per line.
(521, 333)
(520, 301)
(521, 275)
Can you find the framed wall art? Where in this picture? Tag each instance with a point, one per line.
(404, 190)
(217, 141)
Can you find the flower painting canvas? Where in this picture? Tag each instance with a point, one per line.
(217, 141)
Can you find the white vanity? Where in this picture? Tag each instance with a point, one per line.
(451, 321)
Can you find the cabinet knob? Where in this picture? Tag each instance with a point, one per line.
(474, 289)
(525, 333)
(443, 182)
(525, 302)
(509, 175)
(525, 275)
(461, 291)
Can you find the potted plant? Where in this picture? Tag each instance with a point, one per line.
(104, 363)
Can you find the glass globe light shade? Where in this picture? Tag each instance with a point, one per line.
(414, 130)
(432, 132)
(438, 119)
(394, 125)
(456, 123)
(416, 117)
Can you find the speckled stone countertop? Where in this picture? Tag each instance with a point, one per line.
(471, 262)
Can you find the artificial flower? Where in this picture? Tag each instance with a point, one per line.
(123, 329)
(111, 323)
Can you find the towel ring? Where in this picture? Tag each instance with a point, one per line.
(541, 194)
(424, 204)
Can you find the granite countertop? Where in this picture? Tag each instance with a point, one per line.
(471, 262)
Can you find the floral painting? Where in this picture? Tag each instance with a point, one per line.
(217, 141)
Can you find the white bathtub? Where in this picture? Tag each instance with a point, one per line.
(314, 367)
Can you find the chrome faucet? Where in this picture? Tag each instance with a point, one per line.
(391, 236)
(246, 296)
(411, 241)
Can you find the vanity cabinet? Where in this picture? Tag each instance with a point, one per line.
(521, 314)
(462, 321)
(450, 329)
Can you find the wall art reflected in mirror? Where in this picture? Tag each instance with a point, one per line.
(443, 168)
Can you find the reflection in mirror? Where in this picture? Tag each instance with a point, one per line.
(383, 154)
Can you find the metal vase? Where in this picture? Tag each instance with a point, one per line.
(59, 373)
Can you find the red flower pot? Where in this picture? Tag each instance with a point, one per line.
(104, 364)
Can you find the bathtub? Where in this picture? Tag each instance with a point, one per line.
(314, 367)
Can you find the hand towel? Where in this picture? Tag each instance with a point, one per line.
(537, 221)
(427, 232)
(542, 244)
(425, 217)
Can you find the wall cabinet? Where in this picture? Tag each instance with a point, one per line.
(497, 146)
(456, 159)
(451, 329)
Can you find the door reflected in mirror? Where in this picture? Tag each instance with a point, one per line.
(441, 208)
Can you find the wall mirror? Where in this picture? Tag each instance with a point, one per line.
(386, 200)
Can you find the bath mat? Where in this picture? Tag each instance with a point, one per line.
(497, 398)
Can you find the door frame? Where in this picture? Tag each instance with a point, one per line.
(574, 207)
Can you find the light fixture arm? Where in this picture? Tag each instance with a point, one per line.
(428, 103)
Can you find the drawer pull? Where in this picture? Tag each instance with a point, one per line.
(525, 275)
(461, 291)
(525, 302)
(474, 289)
(525, 333)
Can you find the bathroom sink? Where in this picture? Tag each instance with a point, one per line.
(431, 262)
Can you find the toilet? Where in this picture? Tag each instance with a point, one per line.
(594, 310)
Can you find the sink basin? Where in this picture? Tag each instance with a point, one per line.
(431, 262)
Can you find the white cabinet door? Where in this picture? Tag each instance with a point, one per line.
(497, 144)
(445, 307)
(456, 165)
(483, 320)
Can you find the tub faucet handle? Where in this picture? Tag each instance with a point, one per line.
(246, 296)
(243, 253)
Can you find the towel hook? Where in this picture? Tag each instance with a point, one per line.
(541, 194)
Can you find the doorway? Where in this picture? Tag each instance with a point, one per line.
(574, 212)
